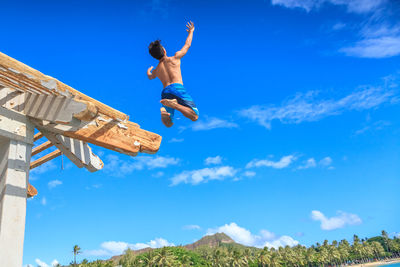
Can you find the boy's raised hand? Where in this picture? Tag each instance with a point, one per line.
(150, 75)
(190, 26)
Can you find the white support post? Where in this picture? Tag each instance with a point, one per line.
(16, 141)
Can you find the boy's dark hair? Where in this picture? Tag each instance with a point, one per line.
(156, 49)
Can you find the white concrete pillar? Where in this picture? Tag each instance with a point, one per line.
(16, 135)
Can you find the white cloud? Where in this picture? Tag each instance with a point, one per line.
(176, 140)
(355, 6)
(243, 236)
(341, 220)
(283, 241)
(120, 167)
(282, 163)
(43, 201)
(382, 47)
(54, 183)
(191, 227)
(249, 174)
(29, 265)
(112, 248)
(155, 162)
(41, 263)
(212, 123)
(327, 161)
(310, 163)
(308, 107)
(213, 160)
(371, 30)
(376, 126)
(338, 26)
(54, 263)
(203, 175)
(379, 38)
(307, 5)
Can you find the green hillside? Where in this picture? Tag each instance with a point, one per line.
(221, 250)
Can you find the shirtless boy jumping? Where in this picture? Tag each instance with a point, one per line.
(168, 70)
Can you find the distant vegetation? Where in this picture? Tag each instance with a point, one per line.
(220, 250)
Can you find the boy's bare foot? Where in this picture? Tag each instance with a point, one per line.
(172, 103)
(186, 111)
(166, 117)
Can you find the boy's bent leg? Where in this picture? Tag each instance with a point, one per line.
(186, 111)
(166, 118)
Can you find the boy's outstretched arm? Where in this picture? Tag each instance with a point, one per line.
(188, 43)
(151, 75)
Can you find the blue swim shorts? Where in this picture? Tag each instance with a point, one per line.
(178, 92)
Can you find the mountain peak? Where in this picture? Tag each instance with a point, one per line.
(211, 241)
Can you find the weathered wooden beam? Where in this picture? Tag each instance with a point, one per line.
(31, 191)
(45, 159)
(37, 136)
(123, 137)
(77, 151)
(19, 76)
(41, 147)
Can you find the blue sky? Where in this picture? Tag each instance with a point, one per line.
(298, 136)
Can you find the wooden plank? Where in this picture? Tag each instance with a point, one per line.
(41, 147)
(31, 191)
(45, 159)
(37, 136)
(23, 77)
(123, 137)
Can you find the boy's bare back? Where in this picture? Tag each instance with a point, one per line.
(168, 71)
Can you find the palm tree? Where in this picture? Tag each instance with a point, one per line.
(275, 260)
(386, 240)
(148, 259)
(186, 260)
(236, 259)
(164, 257)
(217, 258)
(264, 257)
(128, 259)
(247, 255)
(76, 251)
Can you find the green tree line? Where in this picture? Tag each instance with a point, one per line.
(336, 253)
